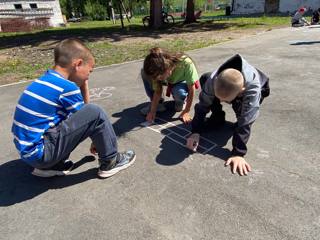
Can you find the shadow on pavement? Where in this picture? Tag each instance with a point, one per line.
(17, 184)
(173, 150)
(221, 137)
(305, 43)
(130, 119)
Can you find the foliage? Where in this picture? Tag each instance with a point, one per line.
(76, 8)
(95, 11)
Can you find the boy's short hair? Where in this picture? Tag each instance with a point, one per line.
(70, 49)
(228, 82)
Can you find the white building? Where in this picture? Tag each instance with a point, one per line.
(31, 10)
(271, 6)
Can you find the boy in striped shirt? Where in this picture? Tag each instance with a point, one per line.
(53, 117)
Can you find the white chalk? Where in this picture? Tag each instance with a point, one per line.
(147, 124)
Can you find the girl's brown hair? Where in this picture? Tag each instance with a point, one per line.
(159, 60)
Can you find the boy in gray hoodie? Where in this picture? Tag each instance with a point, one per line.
(244, 87)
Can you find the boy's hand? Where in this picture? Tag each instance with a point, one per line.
(93, 149)
(185, 117)
(150, 117)
(238, 163)
(193, 141)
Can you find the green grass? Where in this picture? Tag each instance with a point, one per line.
(136, 23)
(104, 38)
(106, 53)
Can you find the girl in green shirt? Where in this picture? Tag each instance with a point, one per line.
(175, 70)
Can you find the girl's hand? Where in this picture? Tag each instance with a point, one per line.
(185, 117)
(150, 117)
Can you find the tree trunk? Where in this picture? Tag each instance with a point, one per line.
(190, 18)
(155, 13)
(121, 16)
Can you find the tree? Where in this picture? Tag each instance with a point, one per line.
(66, 8)
(155, 13)
(95, 10)
(190, 18)
(72, 8)
(168, 5)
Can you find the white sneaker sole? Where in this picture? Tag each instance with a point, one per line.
(113, 171)
(49, 173)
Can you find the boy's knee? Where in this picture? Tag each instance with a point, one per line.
(95, 110)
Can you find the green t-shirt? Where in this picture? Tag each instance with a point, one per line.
(185, 70)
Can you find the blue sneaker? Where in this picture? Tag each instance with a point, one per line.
(120, 162)
(60, 169)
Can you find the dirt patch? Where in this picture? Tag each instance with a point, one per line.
(10, 78)
(192, 35)
(3, 58)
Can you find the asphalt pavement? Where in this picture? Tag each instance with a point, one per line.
(170, 193)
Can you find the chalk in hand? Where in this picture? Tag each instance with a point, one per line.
(147, 124)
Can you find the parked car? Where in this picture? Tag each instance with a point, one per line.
(74, 19)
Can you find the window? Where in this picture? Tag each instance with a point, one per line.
(33, 5)
(18, 6)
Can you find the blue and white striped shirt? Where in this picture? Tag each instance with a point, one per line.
(45, 103)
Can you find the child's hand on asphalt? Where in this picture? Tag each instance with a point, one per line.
(185, 117)
(150, 117)
(239, 164)
(93, 149)
(193, 141)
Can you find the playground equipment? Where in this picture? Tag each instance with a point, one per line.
(122, 10)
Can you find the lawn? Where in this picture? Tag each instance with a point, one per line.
(26, 55)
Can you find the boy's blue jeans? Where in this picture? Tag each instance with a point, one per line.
(90, 121)
(179, 91)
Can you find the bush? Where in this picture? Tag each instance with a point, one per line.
(95, 10)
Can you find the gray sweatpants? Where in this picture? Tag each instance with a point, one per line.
(90, 121)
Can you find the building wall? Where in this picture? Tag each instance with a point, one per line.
(45, 8)
(257, 6)
(57, 19)
(293, 5)
(248, 6)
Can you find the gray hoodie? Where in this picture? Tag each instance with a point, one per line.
(254, 81)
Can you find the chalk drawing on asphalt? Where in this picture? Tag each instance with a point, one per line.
(100, 93)
(179, 135)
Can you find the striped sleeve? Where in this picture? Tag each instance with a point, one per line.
(71, 99)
